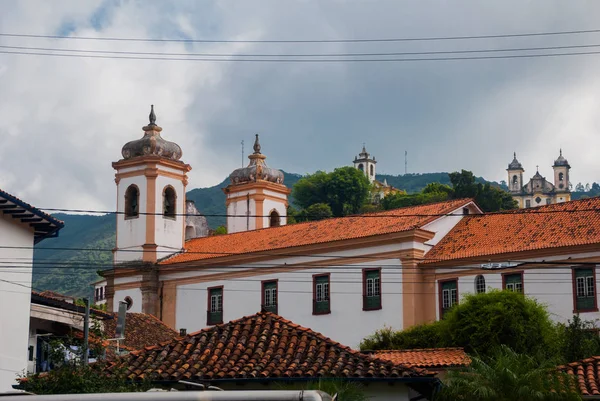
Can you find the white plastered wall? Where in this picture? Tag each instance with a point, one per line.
(15, 299)
(131, 232)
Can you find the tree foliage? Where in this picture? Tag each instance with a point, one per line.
(578, 339)
(508, 376)
(344, 191)
(488, 197)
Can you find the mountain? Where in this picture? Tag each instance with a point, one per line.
(68, 264)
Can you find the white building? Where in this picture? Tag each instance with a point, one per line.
(21, 226)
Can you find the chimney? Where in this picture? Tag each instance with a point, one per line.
(183, 332)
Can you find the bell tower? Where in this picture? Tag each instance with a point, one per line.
(256, 196)
(151, 181)
(515, 176)
(366, 164)
(561, 169)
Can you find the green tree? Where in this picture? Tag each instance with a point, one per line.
(579, 188)
(488, 197)
(395, 201)
(429, 335)
(578, 340)
(221, 230)
(464, 184)
(345, 190)
(436, 187)
(318, 211)
(508, 376)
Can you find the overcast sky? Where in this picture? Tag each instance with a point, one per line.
(63, 120)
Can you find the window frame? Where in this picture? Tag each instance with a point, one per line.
(314, 300)
(514, 273)
(262, 294)
(274, 217)
(365, 289)
(172, 216)
(128, 202)
(574, 286)
(477, 284)
(209, 290)
(441, 295)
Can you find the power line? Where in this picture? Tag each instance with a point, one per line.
(308, 61)
(517, 49)
(359, 40)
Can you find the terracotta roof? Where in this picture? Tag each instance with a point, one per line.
(585, 372)
(40, 299)
(316, 232)
(141, 330)
(558, 225)
(426, 358)
(261, 346)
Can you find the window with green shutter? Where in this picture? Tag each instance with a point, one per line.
(513, 282)
(269, 296)
(585, 290)
(214, 314)
(448, 294)
(371, 289)
(321, 295)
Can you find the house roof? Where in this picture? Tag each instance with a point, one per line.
(141, 330)
(316, 232)
(558, 225)
(429, 358)
(40, 299)
(44, 225)
(263, 346)
(585, 372)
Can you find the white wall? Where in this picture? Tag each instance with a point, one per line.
(239, 209)
(268, 206)
(131, 232)
(169, 231)
(552, 287)
(136, 297)
(15, 299)
(347, 322)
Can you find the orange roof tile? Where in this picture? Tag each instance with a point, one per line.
(141, 330)
(316, 232)
(426, 358)
(586, 375)
(261, 346)
(558, 225)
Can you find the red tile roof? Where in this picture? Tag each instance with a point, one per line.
(141, 330)
(316, 232)
(558, 225)
(261, 346)
(426, 358)
(586, 375)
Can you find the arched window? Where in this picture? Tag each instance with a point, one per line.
(479, 284)
(561, 176)
(132, 201)
(361, 167)
(515, 181)
(372, 170)
(169, 202)
(274, 219)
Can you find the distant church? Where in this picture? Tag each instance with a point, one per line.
(538, 191)
(366, 164)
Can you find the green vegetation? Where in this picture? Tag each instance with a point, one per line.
(508, 376)
(339, 193)
(463, 185)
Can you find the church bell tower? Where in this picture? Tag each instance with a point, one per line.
(151, 181)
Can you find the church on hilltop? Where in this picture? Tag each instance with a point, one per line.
(367, 165)
(539, 191)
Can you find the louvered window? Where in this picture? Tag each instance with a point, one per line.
(449, 294)
(585, 290)
(321, 298)
(372, 289)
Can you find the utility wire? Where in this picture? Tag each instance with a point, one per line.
(358, 40)
(309, 61)
(514, 49)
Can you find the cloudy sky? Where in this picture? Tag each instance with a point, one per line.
(63, 120)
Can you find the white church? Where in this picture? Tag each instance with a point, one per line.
(343, 277)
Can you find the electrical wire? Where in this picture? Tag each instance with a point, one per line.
(358, 40)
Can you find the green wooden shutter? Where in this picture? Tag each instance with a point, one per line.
(372, 298)
(270, 296)
(215, 306)
(449, 295)
(585, 289)
(514, 282)
(321, 299)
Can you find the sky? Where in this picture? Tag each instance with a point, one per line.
(63, 120)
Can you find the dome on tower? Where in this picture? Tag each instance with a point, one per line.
(257, 169)
(515, 165)
(561, 161)
(151, 144)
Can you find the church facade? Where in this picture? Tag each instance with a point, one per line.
(538, 190)
(368, 165)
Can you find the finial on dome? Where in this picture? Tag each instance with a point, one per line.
(256, 146)
(152, 116)
(560, 151)
(515, 154)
